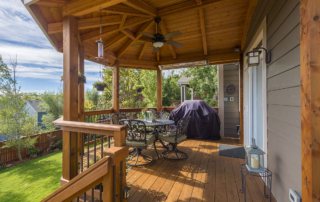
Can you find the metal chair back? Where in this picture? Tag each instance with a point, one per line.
(182, 126)
(136, 130)
(115, 118)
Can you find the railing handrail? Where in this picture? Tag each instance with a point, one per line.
(81, 183)
(94, 128)
(98, 112)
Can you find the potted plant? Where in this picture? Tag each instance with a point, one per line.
(138, 88)
(34, 151)
(99, 85)
(81, 78)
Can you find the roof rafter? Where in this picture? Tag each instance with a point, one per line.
(164, 32)
(185, 6)
(124, 9)
(252, 6)
(114, 40)
(203, 32)
(124, 18)
(142, 51)
(141, 6)
(143, 28)
(54, 28)
(114, 28)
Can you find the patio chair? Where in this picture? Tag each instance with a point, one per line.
(116, 117)
(162, 115)
(175, 137)
(138, 139)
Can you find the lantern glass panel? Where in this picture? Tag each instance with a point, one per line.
(254, 159)
(253, 58)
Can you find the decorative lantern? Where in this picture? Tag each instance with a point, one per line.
(254, 158)
(100, 50)
(126, 192)
(253, 58)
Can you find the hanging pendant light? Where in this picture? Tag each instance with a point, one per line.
(100, 43)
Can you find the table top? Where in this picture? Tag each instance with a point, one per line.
(157, 122)
(244, 169)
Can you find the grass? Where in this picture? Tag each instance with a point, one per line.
(32, 180)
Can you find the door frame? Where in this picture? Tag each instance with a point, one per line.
(260, 35)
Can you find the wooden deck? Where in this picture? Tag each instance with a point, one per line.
(204, 176)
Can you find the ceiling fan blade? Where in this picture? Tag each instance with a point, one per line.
(147, 34)
(172, 34)
(140, 43)
(173, 43)
(155, 50)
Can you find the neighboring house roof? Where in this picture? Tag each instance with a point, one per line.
(2, 138)
(184, 80)
(34, 104)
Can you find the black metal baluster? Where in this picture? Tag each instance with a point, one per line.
(82, 151)
(95, 148)
(92, 194)
(76, 155)
(121, 180)
(69, 155)
(100, 192)
(108, 141)
(85, 196)
(78, 199)
(101, 146)
(114, 183)
(88, 151)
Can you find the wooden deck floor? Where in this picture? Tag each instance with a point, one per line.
(204, 176)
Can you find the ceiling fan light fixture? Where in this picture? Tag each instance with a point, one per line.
(157, 44)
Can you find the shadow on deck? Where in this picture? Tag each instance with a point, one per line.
(204, 176)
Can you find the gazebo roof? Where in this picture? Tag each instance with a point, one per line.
(211, 29)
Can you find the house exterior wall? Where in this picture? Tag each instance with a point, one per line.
(31, 111)
(283, 92)
(231, 108)
(40, 114)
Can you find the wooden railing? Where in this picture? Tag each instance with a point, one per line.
(92, 178)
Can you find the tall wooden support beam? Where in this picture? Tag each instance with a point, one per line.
(159, 89)
(241, 99)
(310, 98)
(81, 85)
(116, 78)
(203, 32)
(70, 91)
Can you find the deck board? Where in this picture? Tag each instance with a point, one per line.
(203, 176)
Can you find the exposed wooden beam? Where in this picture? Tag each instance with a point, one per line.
(199, 2)
(185, 6)
(252, 7)
(128, 33)
(81, 87)
(114, 28)
(124, 10)
(310, 98)
(203, 32)
(87, 23)
(138, 64)
(164, 32)
(213, 59)
(141, 6)
(142, 51)
(82, 7)
(51, 3)
(116, 80)
(158, 56)
(114, 40)
(143, 28)
(124, 17)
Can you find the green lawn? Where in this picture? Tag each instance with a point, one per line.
(33, 180)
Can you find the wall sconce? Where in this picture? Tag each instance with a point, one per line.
(254, 57)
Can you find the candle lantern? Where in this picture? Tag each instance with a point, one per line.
(253, 58)
(126, 192)
(100, 49)
(254, 158)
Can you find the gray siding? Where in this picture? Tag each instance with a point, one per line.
(283, 87)
(231, 109)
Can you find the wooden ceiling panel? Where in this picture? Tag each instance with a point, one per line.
(162, 3)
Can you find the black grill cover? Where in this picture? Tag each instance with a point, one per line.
(204, 122)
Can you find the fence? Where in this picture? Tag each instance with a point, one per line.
(8, 155)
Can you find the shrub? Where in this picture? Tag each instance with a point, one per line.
(59, 144)
(34, 150)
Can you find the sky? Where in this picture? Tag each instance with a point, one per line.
(39, 64)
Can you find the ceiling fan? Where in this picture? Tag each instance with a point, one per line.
(158, 39)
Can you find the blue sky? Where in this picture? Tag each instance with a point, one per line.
(39, 64)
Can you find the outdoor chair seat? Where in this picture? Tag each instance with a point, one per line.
(171, 139)
(150, 140)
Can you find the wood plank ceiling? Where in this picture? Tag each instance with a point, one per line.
(210, 29)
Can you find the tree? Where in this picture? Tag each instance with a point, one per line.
(47, 121)
(204, 82)
(16, 124)
(170, 89)
(148, 80)
(52, 103)
(93, 96)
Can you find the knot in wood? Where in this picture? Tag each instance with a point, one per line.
(316, 18)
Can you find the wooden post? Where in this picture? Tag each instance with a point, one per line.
(159, 90)
(70, 90)
(241, 98)
(116, 78)
(81, 86)
(310, 98)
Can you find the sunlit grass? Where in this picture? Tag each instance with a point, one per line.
(33, 180)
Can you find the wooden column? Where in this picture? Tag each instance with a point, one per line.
(241, 98)
(159, 90)
(116, 78)
(70, 90)
(310, 98)
(81, 86)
